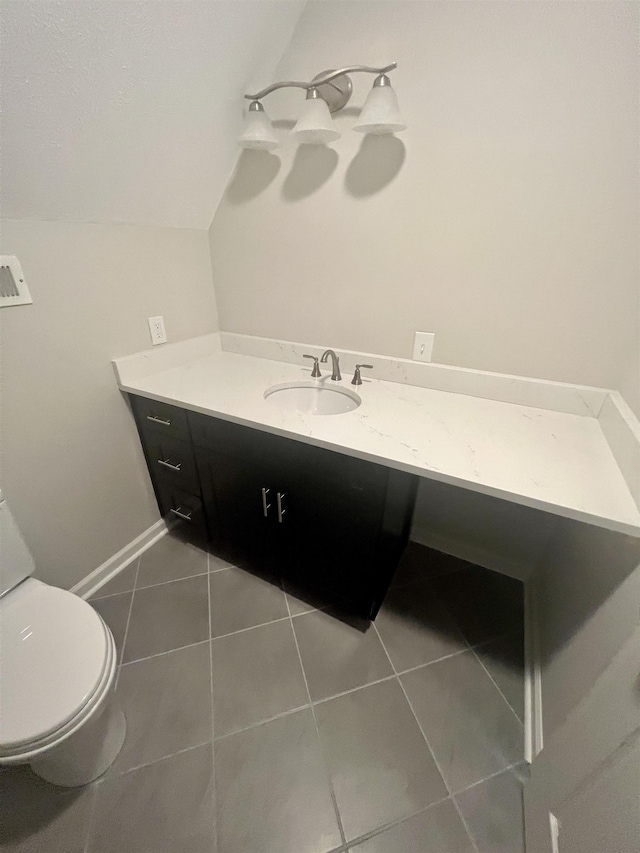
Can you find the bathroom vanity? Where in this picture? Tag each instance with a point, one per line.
(328, 499)
(320, 520)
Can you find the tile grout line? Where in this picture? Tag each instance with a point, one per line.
(92, 808)
(207, 640)
(326, 699)
(338, 817)
(162, 583)
(343, 848)
(173, 580)
(496, 685)
(264, 722)
(168, 652)
(457, 807)
(147, 586)
(314, 702)
(118, 775)
(431, 662)
(214, 803)
(250, 628)
(126, 630)
(472, 648)
(111, 595)
(96, 783)
(394, 823)
(487, 778)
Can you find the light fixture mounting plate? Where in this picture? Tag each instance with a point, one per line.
(337, 92)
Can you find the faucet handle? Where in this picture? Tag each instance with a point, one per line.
(357, 380)
(315, 373)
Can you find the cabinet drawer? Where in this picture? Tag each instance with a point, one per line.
(182, 508)
(160, 418)
(229, 438)
(171, 460)
(365, 480)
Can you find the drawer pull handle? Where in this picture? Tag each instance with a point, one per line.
(281, 511)
(168, 464)
(265, 505)
(183, 515)
(158, 420)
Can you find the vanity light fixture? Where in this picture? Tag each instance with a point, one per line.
(326, 93)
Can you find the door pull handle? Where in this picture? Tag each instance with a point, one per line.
(186, 516)
(168, 464)
(281, 511)
(265, 506)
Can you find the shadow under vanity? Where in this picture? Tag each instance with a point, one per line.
(321, 521)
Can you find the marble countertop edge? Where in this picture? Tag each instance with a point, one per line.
(570, 450)
(548, 460)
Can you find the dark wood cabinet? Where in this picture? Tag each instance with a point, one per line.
(241, 510)
(318, 519)
(166, 441)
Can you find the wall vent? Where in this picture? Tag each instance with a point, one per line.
(13, 287)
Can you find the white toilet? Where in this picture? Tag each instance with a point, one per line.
(58, 710)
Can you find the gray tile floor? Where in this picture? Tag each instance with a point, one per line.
(258, 723)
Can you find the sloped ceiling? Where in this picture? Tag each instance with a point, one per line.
(119, 111)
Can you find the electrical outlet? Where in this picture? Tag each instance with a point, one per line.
(423, 346)
(156, 329)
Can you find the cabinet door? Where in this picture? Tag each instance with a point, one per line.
(336, 505)
(241, 509)
(335, 543)
(318, 518)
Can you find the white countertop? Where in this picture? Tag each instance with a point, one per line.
(549, 460)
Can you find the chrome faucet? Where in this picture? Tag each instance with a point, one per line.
(335, 364)
(357, 379)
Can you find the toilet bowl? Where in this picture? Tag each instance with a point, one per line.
(58, 660)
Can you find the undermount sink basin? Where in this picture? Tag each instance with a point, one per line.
(312, 398)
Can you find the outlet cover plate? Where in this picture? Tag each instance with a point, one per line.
(423, 346)
(157, 331)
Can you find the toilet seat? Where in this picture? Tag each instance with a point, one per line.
(26, 752)
(58, 662)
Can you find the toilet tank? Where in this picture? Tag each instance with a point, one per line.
(16, 563)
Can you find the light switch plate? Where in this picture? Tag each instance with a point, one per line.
(423, 346)
(156, 329)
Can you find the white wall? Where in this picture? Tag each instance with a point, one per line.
(128, 112)
(72, 467)
(587, 608)
(112, 113)
(499, 535)
(505, 219)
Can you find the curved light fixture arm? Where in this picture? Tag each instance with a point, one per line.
(319, 81)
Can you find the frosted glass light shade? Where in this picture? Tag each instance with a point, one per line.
(315, 125)
(380, 113)
(257, 132)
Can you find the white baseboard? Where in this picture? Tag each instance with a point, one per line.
(533, 739)
(114, 565)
